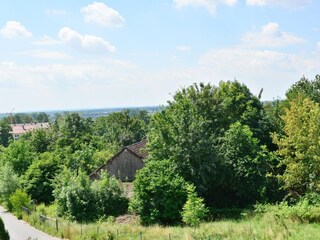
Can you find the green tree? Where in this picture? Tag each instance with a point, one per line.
(159, 193)
(194, 210)
(40, 140)
(189, 130)
(299, 147)
(38, 178)
(9, 183)
(247, 165)
(123, 128)
(20, 155)
(19, 199)
(305, 88)
(5, 135)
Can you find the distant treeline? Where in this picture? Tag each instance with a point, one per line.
(51, 115)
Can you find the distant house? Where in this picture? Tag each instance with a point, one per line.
(125, 163)
(19, 129)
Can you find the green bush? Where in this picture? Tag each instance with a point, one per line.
(159, 193)
(9, 183)
(194, 210)
(109, 197)
(307, 209)
(84, 201)
(4, 235)
(18, 199)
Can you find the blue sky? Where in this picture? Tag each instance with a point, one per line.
(85, 54)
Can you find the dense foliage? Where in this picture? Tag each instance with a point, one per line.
(214, 136)
(80, 199)
(216, 146)
(160, 193)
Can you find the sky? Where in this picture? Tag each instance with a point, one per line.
(79, 54)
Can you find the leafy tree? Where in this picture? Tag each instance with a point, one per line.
(5, 135)
(299, 146)
(4, 235)
(38, 178)
(20, 155)
(123, 128)
(40, 140)
(72, 131)
(247, 164)
(189, 130)
(305, 88)
(194, 210)
(159, 193)
(9, 183)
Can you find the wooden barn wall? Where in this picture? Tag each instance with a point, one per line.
(124, 166)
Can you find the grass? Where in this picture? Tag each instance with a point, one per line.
(250, 226)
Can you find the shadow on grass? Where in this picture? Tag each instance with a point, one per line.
(229, 213)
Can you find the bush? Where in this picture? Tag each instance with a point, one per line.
(4, 235)
(84, 201)
(307, 209)
(109, 196)
(18, 199)
(9, 183)
(194, 210)
(159, 193)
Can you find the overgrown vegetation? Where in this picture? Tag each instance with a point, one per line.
(212, 147)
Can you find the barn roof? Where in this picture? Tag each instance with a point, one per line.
(139, 148)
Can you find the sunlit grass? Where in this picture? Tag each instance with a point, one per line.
(262, 226)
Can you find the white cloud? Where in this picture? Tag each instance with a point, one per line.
(85, 43)
(55, 12)
(101, 14)
(271, 36)
(318, 45)
(14, 29)
(283, 3)
(211, 5)
(44, 54)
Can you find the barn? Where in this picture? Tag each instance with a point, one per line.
(125, 163)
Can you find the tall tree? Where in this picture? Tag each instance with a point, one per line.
(123, 128)
(5, 135)
(305, 88)
(299, 146)
(189, 130)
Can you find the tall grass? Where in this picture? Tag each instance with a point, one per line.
(261, 225)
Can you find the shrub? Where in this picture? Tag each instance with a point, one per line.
(194, 210)
(307, 209)
(18, 199)
(109, 196)
(4, 235)
(159, 193)
(84, 201)
(9, 183)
